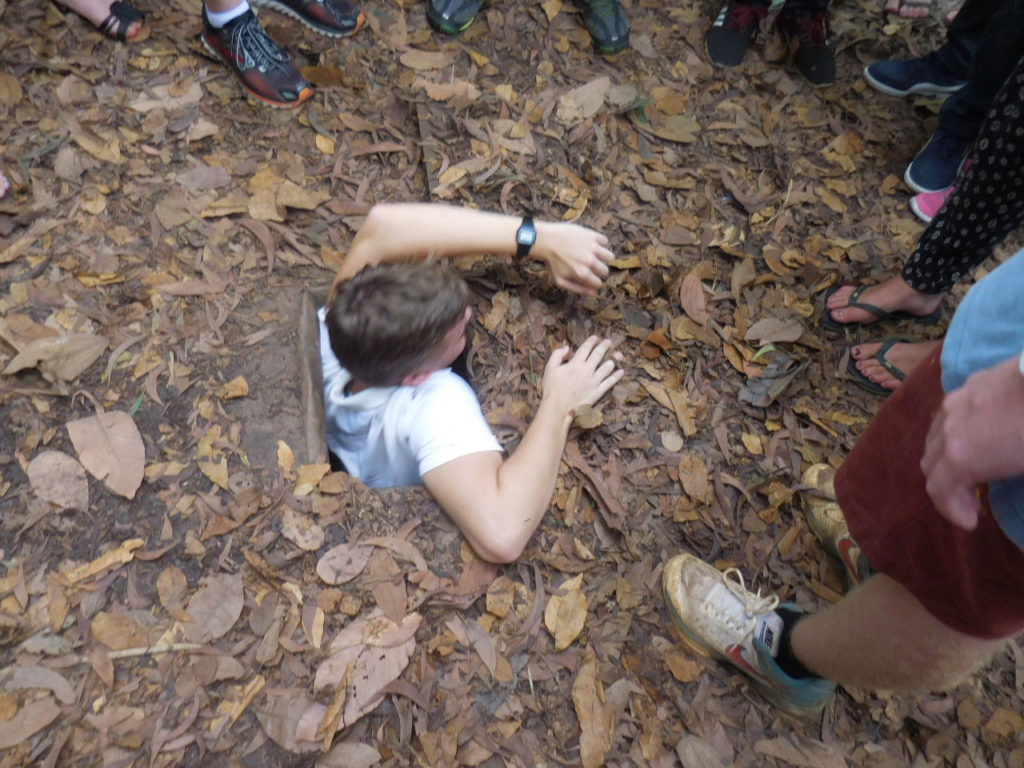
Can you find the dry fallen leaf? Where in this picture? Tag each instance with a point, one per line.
(59, 479)
(693, 474)
(172, 587)
(215, 608)
(301, 530)
(691, 297)
(343, 563)
(60, 358)
(110, 447)
(33, 676)
(596, 717)
(566, 612)
(31, 719)
(118, 631)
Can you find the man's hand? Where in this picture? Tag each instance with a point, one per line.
(577, 257)
(581, 380)
(977, 436)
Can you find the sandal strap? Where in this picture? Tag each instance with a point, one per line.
(880, 356)
(878, 312)
(122, 16)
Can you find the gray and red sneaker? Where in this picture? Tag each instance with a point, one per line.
(261, 65)
(335, 18)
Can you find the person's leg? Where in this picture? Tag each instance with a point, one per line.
(996, 27)
(880, 637)
(963, 34)
(987, 202)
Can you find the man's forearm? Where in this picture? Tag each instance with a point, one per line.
(410, 231)
(526, 480)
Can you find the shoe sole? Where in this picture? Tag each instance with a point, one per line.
(611, 50)
(919, 213)
(304, 95)
(273, 5)
(679, 628)
(930, 89)
(909, 181)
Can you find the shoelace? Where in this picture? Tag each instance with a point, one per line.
(742, 15)
(250, 39)
(738, 616)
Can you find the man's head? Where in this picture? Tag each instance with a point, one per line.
(393, 322)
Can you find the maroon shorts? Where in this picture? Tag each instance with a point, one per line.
(971, 581)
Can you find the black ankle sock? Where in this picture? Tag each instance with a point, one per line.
(787, 660)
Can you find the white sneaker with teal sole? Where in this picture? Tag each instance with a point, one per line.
(716, 616)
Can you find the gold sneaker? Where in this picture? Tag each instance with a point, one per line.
(826, 519)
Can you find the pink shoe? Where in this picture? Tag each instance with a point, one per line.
(927, 204)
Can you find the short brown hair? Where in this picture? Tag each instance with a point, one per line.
(386, 321)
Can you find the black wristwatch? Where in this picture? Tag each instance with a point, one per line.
(526, 236)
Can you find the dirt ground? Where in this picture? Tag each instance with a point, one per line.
(222, 599)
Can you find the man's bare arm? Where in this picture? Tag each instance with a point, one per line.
(577, 257)
(498, 505)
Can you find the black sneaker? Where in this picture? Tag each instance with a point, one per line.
(936, 165)
(264, 69)
(335, 18)
(734, 30)
(902, 78)
(606, 24)
(815, 48)
(450, 17)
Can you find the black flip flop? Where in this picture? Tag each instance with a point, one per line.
(881, 315)
(863, 381)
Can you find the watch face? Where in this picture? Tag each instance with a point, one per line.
(526, 235)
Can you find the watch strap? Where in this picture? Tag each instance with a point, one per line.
(523, 249)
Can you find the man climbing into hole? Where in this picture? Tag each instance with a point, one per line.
(396, 413)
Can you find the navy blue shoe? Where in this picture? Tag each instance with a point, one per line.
(924, 75)
(936, 165)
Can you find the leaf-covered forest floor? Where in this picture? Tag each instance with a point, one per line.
(156, 245)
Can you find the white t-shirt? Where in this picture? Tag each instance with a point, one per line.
(388, 436)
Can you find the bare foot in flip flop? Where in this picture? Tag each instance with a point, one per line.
(886, 364)
(891, 300)
(117, 20)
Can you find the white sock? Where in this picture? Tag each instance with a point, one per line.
(218, 20)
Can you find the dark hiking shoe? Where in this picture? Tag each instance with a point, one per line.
(450, 17)
(815, 48)
(606, 24)
(902, 78)
(936, 165)
(335, 18)
(263, 68)
(734, 30)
